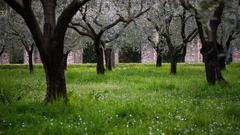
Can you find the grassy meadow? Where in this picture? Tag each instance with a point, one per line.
(134, 99)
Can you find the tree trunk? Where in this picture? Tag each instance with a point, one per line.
(213, 72)
(173, 65)
(228, 59)
(113, 58)
(55, 77)
(2, 50)
(159, 59)
(214, 23)
(210, 60)
(109, 58)
(56, 86)
(221, 62)
(229, 55)
(210, 48)
(221, 57)
(210, 72)
(100, 58)
(65, 57)
(65, 62)
(30, 61)
(184, 53)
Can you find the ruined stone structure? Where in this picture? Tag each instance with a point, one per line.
(236, 55)
(5, 58)
(193, 55)
(116, 56)
(75, 57)
(148, 55)
(193, 52)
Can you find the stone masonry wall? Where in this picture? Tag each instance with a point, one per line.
(5, 59)
(193, 52)
(148, 54)
(75, 57)
(236, 55)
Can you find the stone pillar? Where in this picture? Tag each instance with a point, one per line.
(5, 58)
(75, 57)
(236, 55)
(116, 56)
(193, 52)
(36, 56)
(148, 54)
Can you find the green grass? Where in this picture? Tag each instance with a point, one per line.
(133, 99)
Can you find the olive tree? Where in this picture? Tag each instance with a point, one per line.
(208, 34)
(96, 19)
(50, 40)
(170, 21)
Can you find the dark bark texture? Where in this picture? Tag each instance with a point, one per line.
(2, 50)
(65, 57)
(221, 57)
(159, 60)
(100, 57)
(30, 58)
(173, 65)
(109, 58)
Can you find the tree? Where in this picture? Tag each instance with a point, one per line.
(23, 37)
(94, 29)
(228, 32)
(167, 21)
(72, 42)
(158, 48)
(209, 42)
(50, 42)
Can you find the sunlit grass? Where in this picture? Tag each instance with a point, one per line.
(133, 99)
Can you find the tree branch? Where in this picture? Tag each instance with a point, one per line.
(191, 36)
(66, 17)
(2, 50)
(80, 32)
(17, 5)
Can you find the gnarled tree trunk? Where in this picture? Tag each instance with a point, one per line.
(184, 53)
(100, 57)
(65, 57)
(2, 50)
(30, 61)
(228, 59)
(214, 23)
(221, 57)
(109, 58)
(56, 86)
(54, 66)
(173, 64)
(210, 59)
(159, 59)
